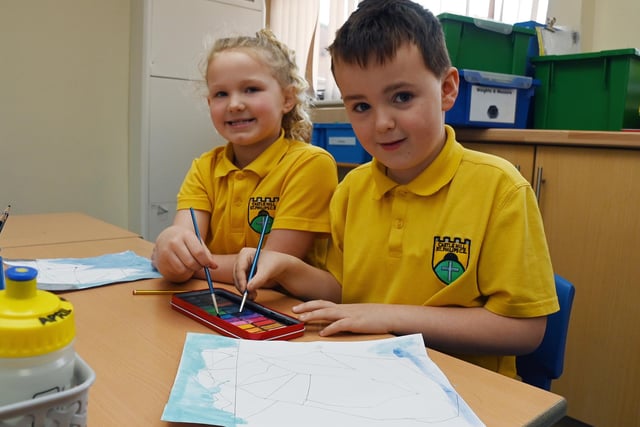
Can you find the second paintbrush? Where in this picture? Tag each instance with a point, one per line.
(206, 269)
(254, 264)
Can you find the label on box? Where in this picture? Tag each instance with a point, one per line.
(342, 140)
(493, 104)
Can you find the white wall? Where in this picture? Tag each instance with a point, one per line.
(63, 106)
(616, 24)
(604, 25)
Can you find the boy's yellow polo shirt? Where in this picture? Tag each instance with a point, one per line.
(291, 180)
(467, 232)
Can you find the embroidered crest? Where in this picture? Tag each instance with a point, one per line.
(450, 258)
(261, 209)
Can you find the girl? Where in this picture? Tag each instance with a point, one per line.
(257, 102)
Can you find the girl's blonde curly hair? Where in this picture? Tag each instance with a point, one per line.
(296, 123)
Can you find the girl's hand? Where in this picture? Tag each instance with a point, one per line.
(178, 254)
(358, 318)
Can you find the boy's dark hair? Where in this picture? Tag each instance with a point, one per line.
(378, 28)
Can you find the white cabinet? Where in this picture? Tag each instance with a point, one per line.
(168, 115)
(179, 130)
(181, 31)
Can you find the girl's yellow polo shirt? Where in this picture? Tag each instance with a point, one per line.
(291, 180)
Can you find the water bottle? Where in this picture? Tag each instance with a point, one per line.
(37, 331)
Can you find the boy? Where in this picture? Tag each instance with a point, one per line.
(429, 237)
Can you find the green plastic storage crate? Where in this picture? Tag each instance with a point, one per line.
(588, 91)
(480, 44)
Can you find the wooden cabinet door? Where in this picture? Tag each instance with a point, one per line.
(521, 156)
(590, 202)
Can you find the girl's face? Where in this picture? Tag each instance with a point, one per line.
(397, 110)
(246, 102)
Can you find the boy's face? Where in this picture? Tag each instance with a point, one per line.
(397, 109)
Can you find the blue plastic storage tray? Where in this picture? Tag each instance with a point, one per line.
(339, 140)
(487, 99)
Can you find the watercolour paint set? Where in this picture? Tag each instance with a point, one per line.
(253, 322)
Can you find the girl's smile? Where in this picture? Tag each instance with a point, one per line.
(240, 122)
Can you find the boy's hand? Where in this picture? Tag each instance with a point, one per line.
(178, 254)
(358, 318)
(292, 274)
(270, 265)
(241, 271)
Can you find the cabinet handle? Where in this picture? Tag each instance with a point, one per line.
(538, 188)
(161, 210)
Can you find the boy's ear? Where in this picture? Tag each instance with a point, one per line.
(450, 84)
(290, 99)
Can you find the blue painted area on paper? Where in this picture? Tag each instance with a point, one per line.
(126, 259)
(66, 274)
(409, 347)
(189, 398)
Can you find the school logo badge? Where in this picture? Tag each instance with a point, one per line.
(259, 210)
(450, 258)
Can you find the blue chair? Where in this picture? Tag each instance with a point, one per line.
(547, 361)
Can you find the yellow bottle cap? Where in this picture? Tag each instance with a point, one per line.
(32, 322)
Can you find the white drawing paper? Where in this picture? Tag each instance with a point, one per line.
(392, 382)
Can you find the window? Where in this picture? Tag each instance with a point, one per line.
(309, 26)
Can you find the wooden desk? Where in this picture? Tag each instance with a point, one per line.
(45, 229)
(134, 344)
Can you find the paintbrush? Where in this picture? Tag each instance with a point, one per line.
(206, 269)
(252, 272)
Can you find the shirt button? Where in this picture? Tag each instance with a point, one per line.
(399, 223)
(240, 176)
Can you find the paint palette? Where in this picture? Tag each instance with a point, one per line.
(255, 322)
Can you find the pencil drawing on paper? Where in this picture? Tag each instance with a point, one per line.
(230, 382)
